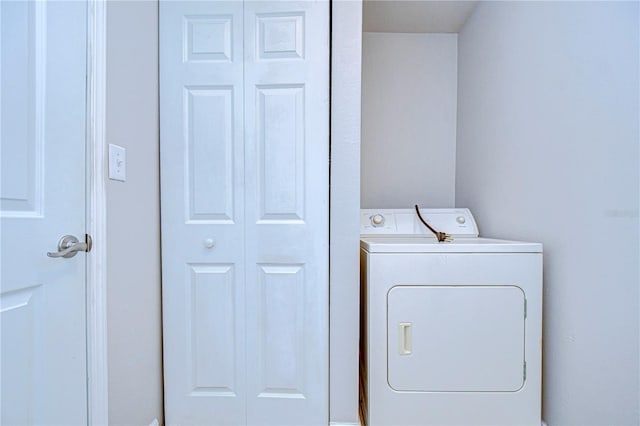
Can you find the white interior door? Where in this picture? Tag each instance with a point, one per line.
(42, 195)
(202, 164)
(244, 160)
(286, 98)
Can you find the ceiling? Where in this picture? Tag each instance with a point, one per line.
(415, 16)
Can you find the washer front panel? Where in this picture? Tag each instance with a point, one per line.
(396, 398)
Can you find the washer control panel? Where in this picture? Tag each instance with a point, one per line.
(456, 222)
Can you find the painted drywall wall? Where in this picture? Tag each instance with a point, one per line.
(346, 54)
(409, 86)
(133, 252)
(548, 151)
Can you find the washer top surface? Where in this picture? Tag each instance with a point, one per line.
(458, 245)
(400, 231)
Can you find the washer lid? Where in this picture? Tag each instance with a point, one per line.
(458, 245)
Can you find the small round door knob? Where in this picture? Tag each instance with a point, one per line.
(209, 243)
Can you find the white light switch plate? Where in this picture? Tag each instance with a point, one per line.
(117, 163)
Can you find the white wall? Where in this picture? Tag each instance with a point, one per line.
(344, 250)
(133, 252)
(409, 84)
(548, 151)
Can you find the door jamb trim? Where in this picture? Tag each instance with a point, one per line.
(97, 372)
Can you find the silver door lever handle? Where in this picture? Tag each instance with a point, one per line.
(69, 245)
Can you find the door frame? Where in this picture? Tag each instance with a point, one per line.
(96, 276)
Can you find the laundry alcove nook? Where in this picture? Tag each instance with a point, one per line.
(544, 147)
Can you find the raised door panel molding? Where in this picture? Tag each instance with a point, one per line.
(207, 38)
(22, 91)
(280, 36)
(281, 332)
(209, 132)
(212, 329)
(18, 318)
(280, 145)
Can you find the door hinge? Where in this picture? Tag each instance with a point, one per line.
(89, 241)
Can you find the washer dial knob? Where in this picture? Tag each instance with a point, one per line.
(377, 220)
(461, 220)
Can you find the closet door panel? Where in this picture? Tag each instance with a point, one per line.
(244, 152)
(202, 163)
(286, 49)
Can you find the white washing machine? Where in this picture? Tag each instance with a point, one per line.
(451, 331)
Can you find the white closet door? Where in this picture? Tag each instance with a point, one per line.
(202, 158)
(244, 152)
(287, 191)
